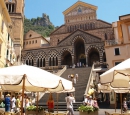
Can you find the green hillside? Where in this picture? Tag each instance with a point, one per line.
(41, 25)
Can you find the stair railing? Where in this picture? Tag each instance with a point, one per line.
(89, 80)
(61, 71)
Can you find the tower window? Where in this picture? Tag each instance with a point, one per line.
(10, 7)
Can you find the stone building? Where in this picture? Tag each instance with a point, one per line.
(79, 40)
(16, 12)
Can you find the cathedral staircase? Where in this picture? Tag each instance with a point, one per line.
(80, 88)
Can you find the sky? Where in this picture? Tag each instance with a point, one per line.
(108, 10)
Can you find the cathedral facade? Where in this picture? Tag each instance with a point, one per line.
(79, 40)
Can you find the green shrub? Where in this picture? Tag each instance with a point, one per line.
(34, 108)
(89, 109)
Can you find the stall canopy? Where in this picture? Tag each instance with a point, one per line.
(118, 76)
(33, 78)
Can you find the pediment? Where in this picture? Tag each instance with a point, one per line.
(31, 34)
(87, 37)
(80, 7)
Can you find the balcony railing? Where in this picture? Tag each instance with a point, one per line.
(110, 42)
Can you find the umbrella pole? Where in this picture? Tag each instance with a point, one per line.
(115, 101)
(23, 88)
(57, 101)
(121, 101)
(37, 101)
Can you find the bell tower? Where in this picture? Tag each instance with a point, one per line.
(16, 11)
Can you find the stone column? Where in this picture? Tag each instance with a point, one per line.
(72, 60)
(54, 61)
(101, 57)
(34, 62)
(59, 62)
(86, 60)
(46, 62)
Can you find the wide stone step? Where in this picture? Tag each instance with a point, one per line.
(80, 86)
(61, 106)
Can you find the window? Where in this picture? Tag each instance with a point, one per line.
(32, 42)
(29, 42)
(26, 43)
(117, 51)
(35, 41)
(116, 63)
(11, 7)
(30, 35)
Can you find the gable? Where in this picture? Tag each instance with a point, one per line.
(31, 34)
(78, 7)
(80, 10)
(88, 38)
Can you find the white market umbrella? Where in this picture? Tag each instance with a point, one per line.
(118, 76)
(36, 79)
(30, 78)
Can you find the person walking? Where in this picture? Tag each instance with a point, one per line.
(125, 107)
(69, 101)
(7, 102)
(13, 104)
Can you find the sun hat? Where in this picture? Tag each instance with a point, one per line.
(8, 95)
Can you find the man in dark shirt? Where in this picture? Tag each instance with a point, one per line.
(7, 103)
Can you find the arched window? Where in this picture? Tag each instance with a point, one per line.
(32, 63)
(90, 25)
(29, 62)
(49, 61)
(105, 36)
(53, 61)
(37, 62)
(26, 62)
(56, 61)
(85, 26)
(40, 62)
(44, 62)
(75, 27)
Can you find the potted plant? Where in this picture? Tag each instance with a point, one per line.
(88, 110)
(34, 109)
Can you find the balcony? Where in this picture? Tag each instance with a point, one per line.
(110, 42)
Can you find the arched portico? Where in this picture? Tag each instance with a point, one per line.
(79, 51)
(93, 56)
(66, 58)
